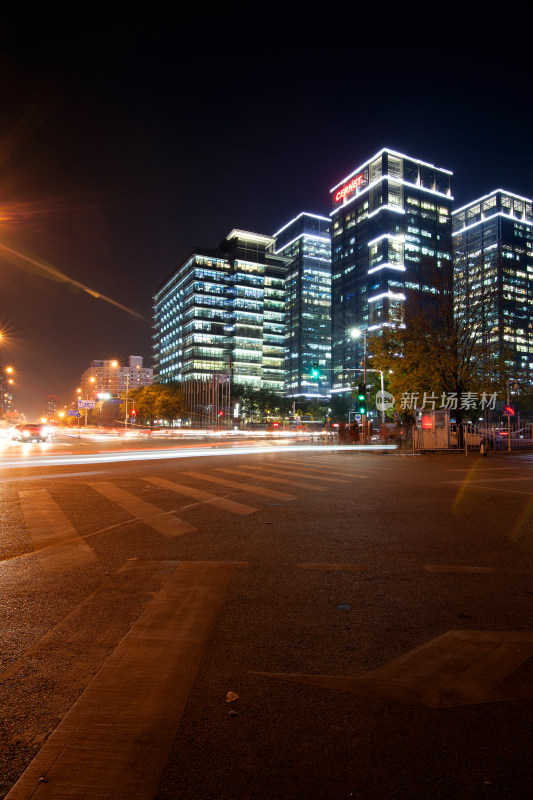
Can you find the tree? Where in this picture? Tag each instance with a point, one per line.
(439, 343)
(259, 403)
(159, 401)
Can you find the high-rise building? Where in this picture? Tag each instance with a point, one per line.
(391, 230)
(223, 311)
(109, 377)
(493, 266)
(52, 406)
(306, 240)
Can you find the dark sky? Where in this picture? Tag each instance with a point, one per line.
(127, 138)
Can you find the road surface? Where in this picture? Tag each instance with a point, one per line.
(318, 623)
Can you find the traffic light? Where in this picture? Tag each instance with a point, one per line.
(361, 399)
(315, 372)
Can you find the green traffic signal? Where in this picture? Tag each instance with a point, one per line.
(361, 398)
(315, 372)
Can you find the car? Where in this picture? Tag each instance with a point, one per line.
(31, 432)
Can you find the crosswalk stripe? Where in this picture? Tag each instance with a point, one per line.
(285, 481)
(161, 521)
(58, 545)
(116, 739)
(205, 497)
(347, 473)
(243, 487)
(300, 474)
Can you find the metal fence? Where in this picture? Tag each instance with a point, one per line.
(496, 438)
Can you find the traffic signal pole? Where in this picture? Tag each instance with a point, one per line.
(365, 426)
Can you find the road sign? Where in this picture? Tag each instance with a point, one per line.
(86, 403)
(508, 411)
(73, 414)
(115, 400)
(358, 417)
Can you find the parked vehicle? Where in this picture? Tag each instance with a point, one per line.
(477, 435)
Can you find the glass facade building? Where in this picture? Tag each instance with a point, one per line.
(391, 229)
(493, 266)
(223, 311)
(306, 240)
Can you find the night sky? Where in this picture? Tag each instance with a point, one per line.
(127, 138)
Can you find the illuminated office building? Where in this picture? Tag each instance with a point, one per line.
(223, 311)
(493, 266)
(391, 230)
(306, 240)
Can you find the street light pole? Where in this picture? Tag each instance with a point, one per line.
(355, 333)
(127, 393)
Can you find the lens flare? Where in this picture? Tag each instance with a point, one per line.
(40, 267)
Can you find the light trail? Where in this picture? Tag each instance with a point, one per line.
(162, 454)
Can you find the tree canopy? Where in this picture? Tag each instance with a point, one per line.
(159, 401)
(438, 345)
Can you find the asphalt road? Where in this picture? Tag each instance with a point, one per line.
(370, 616)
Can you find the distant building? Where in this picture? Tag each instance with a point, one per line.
(6, 391)
(391, 229)
(52, 406)
(111, 378)
(306, 240)
(493, 265)
(222, 311)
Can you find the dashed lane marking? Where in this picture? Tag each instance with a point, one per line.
(332, 567)
(458, 569)
(162, 521)
(116, 739)
(204, 497)
(58, 545)
(242, 487)
(486, 488)
(300, 474)
(316, 487)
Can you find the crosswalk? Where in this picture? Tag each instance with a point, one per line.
(58, 546)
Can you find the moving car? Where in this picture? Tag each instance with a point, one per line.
(31, 432)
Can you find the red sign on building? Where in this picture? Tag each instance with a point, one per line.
(349, 188)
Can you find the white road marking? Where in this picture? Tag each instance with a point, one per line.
(162, 521)
(205, 497)
(242, 487)
(300, 474)
(58, 545)
(314, 486)
(116, 739)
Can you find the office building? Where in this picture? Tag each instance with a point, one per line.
(306, 240)
(222, 311)
(493, 268)
(109, 377)
(52, 406)
(391, 231)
